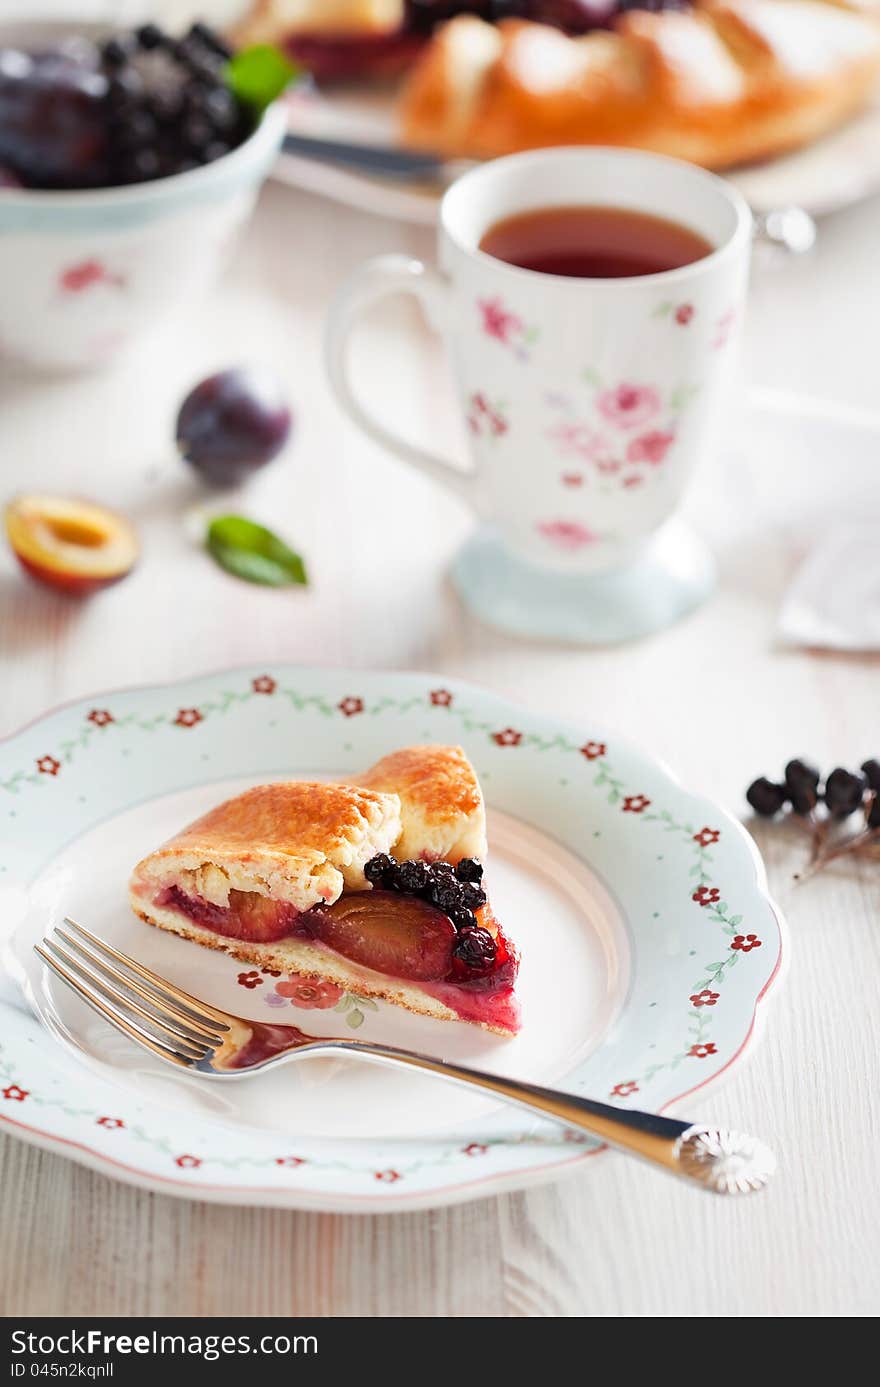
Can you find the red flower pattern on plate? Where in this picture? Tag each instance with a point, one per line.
(703, 1051)
(48, 765)
(187, 1162)
(627, 406)
(624, 1090)
(475, 1148)
(593, 750)
(309, 993)
(290, 1162)
(706, 895)
(100, 717)
(684, 313)
(497, 321)
(15, 1093)
(507, 737)
(566, 534)
(388, 1177)
(635, 804)
(85, 275)
(744, 943)
(188, 717)
(634, 479)
(441, 698)
(707, 836)
(706, 998)
(249, 980)
(272, 972)
(349, 707)
(111, 1123)
(264, 684)
(650, 447)
(572, 479)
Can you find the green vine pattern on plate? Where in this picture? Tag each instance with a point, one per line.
(102, 722)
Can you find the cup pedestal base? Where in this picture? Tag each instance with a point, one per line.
(672, 576)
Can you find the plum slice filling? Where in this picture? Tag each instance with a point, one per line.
(392, 933)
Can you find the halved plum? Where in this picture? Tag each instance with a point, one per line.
(248, 915)
(395, 934)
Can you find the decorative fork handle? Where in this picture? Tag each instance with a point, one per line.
(718, 1160)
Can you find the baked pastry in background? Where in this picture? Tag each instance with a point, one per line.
(299, 878)
(721, 83)
(718, 82)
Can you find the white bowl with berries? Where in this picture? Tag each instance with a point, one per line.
(128, 164)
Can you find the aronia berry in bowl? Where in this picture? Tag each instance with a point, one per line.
(127, 168)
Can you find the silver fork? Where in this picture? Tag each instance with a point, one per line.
(202, 1039)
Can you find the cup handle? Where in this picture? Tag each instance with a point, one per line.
(390, 274)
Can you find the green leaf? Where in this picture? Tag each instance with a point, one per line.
(344, 1002)
(253, 553)
(258, 75)
(355, 1018)
(367, 1002)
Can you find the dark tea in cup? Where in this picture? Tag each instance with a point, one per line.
(593, 242)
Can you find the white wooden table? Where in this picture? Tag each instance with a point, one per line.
(713, 696)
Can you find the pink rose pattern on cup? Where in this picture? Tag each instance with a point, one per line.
(629, 432)
(506, 327)
(486, 419)
(627, 406)
(618, 447)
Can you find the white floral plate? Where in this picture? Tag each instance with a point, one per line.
(647, 936)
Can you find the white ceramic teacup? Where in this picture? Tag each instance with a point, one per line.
(588, 401)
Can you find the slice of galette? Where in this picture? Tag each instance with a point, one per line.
(375, 886)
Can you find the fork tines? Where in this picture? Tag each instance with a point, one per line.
(145, 1007)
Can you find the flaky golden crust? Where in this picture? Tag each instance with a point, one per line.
(441, 804)
(299, 841)
(724, 83)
